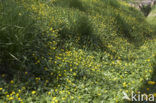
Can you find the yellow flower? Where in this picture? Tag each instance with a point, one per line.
(33, 92)
(56, 101)
(63, 98)
(54, 98)
(1, 89)
(47, 81)
(38, 78)
(51, 73)
(72, 97)
(49, 93)
(133, 82)
(6, 92)
(150, 71)
(99, 94)
(124, 84)
(147, 89)
(69, 93)
(51, 29)
(151, 82)
(26, 73)
(148, 60)
(154, 94)
(17, 94)
(19, 99)
(11, 98)
(37, 62)
(74, 74)
(11, 81)
(13, 93)
(19, 91)
(7, 96)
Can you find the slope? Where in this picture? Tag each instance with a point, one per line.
(82, 51)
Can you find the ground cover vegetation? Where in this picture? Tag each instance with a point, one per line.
(73, 51)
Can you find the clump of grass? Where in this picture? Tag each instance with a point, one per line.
(17, 34)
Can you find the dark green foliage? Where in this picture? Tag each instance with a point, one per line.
(146, 9)
(77, 4)
(16, 34)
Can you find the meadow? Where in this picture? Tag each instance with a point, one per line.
(75, 51)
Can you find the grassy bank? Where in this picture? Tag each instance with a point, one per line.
(73, 51)
(151, 18)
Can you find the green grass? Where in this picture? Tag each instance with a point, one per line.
(151, 18)
(69, 51)
(149, 86)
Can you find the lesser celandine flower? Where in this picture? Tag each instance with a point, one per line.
(11, 81)
(72, 97)
(147, 88)
(148, 60)
(99, 94)
(56, 101)
(54, 98)
(74, 74)
(49, 93)
(11, 98)
(17, 94)
(19, 99)
(26, 73)
(151, 82)
(7, 96)
(33, 92)
(13, 93)
(124, 84)
(63, 98)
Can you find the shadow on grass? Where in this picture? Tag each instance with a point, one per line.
(76, 4)
(147, 88)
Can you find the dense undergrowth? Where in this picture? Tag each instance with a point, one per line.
(69, 51)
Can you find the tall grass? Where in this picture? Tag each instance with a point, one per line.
(20, 37)
(16, 34)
